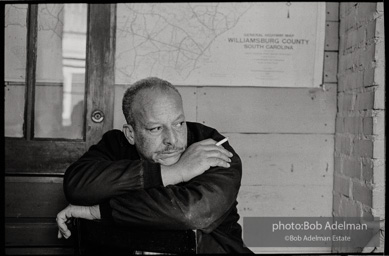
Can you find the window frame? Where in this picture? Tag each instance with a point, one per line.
(51, 156)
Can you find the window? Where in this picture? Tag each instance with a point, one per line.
(56, 75)
(58, 72)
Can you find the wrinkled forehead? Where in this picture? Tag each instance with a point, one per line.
(157, 105)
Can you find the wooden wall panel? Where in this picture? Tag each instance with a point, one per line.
(41, 156)
(189, 98)
(33, 197)
(285, 201)
(291, 250)
(285, 159)
(332, 41)
(39, 251)
(34, 234)
(268, 110)
(330, 67)
(332, 11)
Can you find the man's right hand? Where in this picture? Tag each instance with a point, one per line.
(75, 211)
(196, 159)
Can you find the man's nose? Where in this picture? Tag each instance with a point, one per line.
(170, 137)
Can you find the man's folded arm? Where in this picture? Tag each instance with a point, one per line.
(100, 174)
(202, 203)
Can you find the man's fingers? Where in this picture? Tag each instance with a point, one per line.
(62, 217)
(207, 142)
(218, 154)
(218, 149)
(219, 162)
(64, 233)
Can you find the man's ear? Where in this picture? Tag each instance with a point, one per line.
(128, 131)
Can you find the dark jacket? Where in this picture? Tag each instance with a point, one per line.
(130, 190)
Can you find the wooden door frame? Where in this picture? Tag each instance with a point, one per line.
(29, 155)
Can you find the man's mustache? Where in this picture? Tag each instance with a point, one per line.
(170, 150)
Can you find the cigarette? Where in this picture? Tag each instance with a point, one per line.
(222, 141)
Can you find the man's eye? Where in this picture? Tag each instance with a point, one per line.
(180, 124)
(155, 129)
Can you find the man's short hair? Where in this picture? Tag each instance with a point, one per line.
(135, 88)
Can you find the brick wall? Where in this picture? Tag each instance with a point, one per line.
(359, 172)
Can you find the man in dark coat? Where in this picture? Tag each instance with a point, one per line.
(160, 172)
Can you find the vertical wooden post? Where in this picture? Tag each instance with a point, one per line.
(100, 69)
(32, 36)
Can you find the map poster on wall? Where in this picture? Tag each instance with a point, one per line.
(278, 44)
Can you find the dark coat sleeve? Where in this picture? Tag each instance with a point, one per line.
(108, 169)
(202, 203)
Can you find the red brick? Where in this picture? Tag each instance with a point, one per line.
(359, 82)
(368, 57)
(364, 101)
(342, 185)
(368, 77)
(337, 164)
(365, 11)
(362, 193)
(351, 39)
(350, 81)
(349, 208)
(342, 145)
(337, 205)
(363, 148)
(342, 82)
(352, 168)
(367, 170)
(370, 31)
(353, 125)
(368, 125)
(339, 125)
(348, 102)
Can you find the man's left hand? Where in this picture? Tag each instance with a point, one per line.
(75, 211)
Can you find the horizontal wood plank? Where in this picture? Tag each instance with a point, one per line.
(285, 201)
(332, 36)
(330, 67)
(291, 250)
(189, 98)
(332, 11)
(268, 110)
(285, 159)
(41, 156)
(34, 234)
(33, 197)
(39, 251)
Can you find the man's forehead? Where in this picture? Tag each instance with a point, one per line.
(153, 106)
(151, 95)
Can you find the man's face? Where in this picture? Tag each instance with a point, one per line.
(160, 132)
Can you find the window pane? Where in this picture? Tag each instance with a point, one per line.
(60, 71)
(14, 110)
(15, 41)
